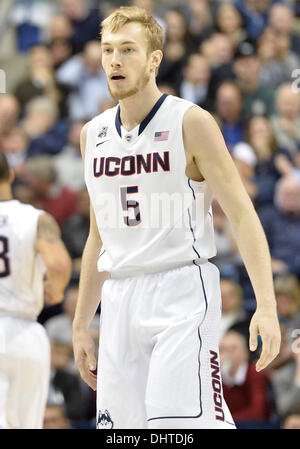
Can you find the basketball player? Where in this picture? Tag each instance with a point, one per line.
(30, 249)
(158, 364)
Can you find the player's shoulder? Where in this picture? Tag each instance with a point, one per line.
(24, 212)
(196, 116)
(104, 117)
(29, 208)
(176, 104)
(178, 101)
(26, 207)
(99, 122)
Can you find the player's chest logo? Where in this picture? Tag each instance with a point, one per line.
(130, 165)
(103, 131)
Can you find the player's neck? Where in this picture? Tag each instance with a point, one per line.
(5, 192)
(134, 109)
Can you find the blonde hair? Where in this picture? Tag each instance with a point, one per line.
(129, 14)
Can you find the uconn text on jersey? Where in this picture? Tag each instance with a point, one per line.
(130, 165)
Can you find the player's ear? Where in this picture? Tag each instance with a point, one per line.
(156, 58)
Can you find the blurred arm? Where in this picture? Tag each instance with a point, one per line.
(55, 256)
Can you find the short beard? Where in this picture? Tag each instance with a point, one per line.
(130, 92)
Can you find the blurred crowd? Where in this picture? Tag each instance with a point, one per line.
(238, 59)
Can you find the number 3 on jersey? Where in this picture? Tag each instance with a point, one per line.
(4, 257)
(127, 204)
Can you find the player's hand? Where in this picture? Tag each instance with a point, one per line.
(265, 323)
(84, 354)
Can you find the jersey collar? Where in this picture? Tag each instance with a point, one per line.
(146, 120)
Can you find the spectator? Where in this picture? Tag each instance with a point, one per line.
(30, 18)
(9, 113)
(76, 229)
(47, 134)
(55, 416)
(149, 6)
(177, 44)
(219, 53)
(40, 80)
(60, 27)
(255, 15)
(281, 22)
(196, 76)
(85, 22)
(61, 51)
(39, 176)
(230, 22)
(84, 76)
(286, 121)
(68, 162)
(261, 163)
(14, 145)
(258, 99)
(287, 291)
(59, 39)
(245, 390)
(286, 383)
(59, 327)
(229, 102)
(232, 306)
(200, 20)
(278, 61)
(281, 223)
(64, 383)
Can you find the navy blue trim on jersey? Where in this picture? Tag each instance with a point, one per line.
(189, 183)
(231, 423)
(101, 254)
(146, 120)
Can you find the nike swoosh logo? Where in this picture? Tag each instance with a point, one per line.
(100, 143)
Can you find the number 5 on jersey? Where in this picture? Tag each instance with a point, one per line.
(130, 204)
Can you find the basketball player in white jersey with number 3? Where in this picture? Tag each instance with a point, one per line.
(158, 363)
(33, 262)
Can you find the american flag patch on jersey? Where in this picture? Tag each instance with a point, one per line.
(161, 135)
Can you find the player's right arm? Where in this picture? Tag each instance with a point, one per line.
(90, 287)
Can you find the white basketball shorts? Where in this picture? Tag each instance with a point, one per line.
(24, 373)
(158, 364)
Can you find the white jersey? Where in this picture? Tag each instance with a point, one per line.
(151, 217)
(21, 267)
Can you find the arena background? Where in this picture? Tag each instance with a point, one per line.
(238, 59)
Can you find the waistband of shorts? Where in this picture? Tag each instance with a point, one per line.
(128, 275)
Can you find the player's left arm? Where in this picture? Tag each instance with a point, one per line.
(204, 143)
